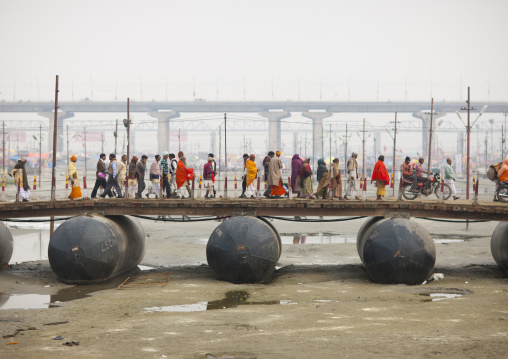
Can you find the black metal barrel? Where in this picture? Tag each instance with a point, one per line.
(363, 229)
(6, 244)
(243, 250)
(397, 251)
(499, 245)
(92, 249)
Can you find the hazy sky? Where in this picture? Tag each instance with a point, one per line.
(329, 50)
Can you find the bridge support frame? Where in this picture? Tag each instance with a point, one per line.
(317, 132)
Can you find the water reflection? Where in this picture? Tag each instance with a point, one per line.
(232, 299)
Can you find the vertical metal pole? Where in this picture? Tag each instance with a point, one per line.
(126, 195)
(430, 135)
(84, 134)
(40, 153)
(226, 140)
(116, 135)
(394, 152)
(345, 153)
(468, 138)
(53, 167)
(363, 156)
(3, 148)
(67, 146)
(55, 139)
(220, 148)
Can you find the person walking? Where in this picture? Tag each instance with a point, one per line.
(165, 174)
(131, 178)
(140, 174)
(173, 165)
(449, 177)
(275, 188)
(244, 175)
(183, 175)
(74, 179)
(100, 174)
(352, 176)
(122, 172)
(323, 177)
(336, 180)
(296, 168)
(21, 179)
(112, 179)
(155, 177)
(266, 162)
(381, 176)
(209, 178)
(250, 176)
(306, 176)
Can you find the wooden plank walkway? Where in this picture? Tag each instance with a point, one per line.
(460, 209)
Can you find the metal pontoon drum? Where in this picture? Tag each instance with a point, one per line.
(92, 249)
(6, 244)
(396, 251)
(499, 245)
(243, 250)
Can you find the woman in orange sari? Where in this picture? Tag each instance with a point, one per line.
(252, 172)
(380, 175)
(183, 175)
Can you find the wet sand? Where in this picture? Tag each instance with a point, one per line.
(319, 304)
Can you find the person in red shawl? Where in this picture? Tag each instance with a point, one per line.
(183, 175)
(380, 175)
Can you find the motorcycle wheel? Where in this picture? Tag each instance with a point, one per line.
(447, 191)
(502, 194)
(407, 193)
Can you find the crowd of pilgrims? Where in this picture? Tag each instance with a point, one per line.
(173, 176)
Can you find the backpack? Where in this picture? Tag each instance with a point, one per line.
(492, 171)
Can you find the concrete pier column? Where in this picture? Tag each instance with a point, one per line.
(425, 117)
(163, 128)
(60, 128)
(274, 128)
(295, 142)
(317, 132)
(213, 134)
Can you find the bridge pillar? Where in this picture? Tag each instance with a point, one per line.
(163, 118)
(274, 128)
(425, 117)
(59, 128)
(317, 132)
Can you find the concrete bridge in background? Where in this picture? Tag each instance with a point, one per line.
(273, 111)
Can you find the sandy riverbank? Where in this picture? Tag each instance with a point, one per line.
(320, 304)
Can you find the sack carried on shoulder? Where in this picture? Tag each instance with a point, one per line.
(492, 171)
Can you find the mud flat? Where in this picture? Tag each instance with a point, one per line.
(319, 304)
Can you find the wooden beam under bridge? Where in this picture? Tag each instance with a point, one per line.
(487, 211)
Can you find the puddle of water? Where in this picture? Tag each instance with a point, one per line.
(326, 238)
(24, 301)
(232, 300)
(31, 246)
(438, 294)
(447, 240)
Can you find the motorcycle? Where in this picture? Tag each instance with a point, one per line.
(434, 186)
(502, 192)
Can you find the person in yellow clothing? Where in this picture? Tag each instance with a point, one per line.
(74, 179)
(252, 172)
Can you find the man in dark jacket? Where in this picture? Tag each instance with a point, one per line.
(100, 175)
(140, 175)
